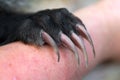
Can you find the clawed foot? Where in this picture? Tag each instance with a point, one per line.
(55, 27)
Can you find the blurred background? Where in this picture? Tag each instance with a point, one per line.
(35, 5)
(101, 72)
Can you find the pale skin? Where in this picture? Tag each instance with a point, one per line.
(27, 62)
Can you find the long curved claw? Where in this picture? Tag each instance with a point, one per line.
(48, 39)
(66, 40)
(78, 41)
(85, 34)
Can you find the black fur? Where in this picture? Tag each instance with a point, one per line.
(27, 27)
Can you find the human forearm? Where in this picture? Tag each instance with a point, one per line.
(28, 62)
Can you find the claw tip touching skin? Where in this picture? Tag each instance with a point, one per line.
(82, 30)
(48, 39)
(80, 44)
(67, 41)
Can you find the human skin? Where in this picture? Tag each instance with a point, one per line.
(19, 61)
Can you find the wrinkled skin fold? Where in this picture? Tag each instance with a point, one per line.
(55, 27)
